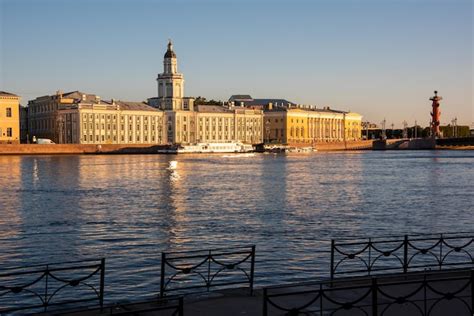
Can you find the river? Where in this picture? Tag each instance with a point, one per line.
(130, 208)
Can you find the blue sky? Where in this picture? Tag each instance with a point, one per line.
(378, 58)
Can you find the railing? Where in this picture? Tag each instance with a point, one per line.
(188, 272)
(401, 254)
(174, 306)
(425, 296)
(39, 288)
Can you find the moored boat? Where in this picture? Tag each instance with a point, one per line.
(228, 147)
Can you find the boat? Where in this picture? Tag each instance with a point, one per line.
(228, 147)
(289, 149)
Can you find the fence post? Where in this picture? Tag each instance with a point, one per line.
(46, 289)
(102, 281)
(441, 252)
(162, 276)
(252, 269)
(265, 311)
(374, 297)
(405, 254)
(180, 306)
(472, 289)
(208, 282)
(332, 260)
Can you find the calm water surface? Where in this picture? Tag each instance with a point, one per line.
(130, 208)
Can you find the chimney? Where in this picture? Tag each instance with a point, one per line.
(270, 106)
(241, 104)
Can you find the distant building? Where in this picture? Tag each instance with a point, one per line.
(289, 125)
(247, 101)
(9, 118)
(80, 118)
(187, 123)
(43, 112)
(110, 122)
(23, 124)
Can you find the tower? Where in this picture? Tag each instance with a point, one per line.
(170, 82)
(435, 115)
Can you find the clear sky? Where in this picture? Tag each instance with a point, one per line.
(381, 58)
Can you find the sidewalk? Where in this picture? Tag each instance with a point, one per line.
(237, 302)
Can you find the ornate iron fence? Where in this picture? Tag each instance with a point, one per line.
(39, 288)
(187, 272)
(174, 307)
(424, 296)
(401, 254)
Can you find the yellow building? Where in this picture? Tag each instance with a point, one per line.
(296, 125)
(9, 118)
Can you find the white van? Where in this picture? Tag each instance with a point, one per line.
(43, 141)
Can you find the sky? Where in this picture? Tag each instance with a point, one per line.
(380, 58)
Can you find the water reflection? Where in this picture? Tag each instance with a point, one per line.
(129, 208)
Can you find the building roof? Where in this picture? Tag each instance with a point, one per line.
(275, 102)
(133, 106)
(211, 108)
(249, 101)
(240, 97)
(7, 94)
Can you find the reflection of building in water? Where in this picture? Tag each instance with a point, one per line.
(10, 198)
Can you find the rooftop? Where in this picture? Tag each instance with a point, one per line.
(7, 94)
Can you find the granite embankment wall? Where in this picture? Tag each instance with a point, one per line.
(350, 145)
(74, 149)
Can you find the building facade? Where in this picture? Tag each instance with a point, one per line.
(187, 123)
(292, 125)
(9, 118)
(43, 112)
(114, 122)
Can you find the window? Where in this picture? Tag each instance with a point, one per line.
(90, 138)
(9, 131)
(85, 138)
(9, 112)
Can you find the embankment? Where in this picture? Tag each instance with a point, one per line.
(75, 149)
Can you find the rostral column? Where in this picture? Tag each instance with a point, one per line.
(435, 115)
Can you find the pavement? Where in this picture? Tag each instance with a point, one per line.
(238, 302)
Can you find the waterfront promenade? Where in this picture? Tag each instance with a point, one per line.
(408, 299)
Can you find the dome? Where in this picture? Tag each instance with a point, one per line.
(169, 53)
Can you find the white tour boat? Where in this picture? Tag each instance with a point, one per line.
(229, 147)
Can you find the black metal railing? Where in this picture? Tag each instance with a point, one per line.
(174, 307)
(193, 271)
(434, 293)
(40, 288)
(401, 254)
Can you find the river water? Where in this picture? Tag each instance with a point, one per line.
(130, 208)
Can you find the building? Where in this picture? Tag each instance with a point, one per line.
(187, 123)
(9, 118)
(296, 125)
(43, 112)
(80, 118)
(110, 122)
(23, 124)
(247, 101)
